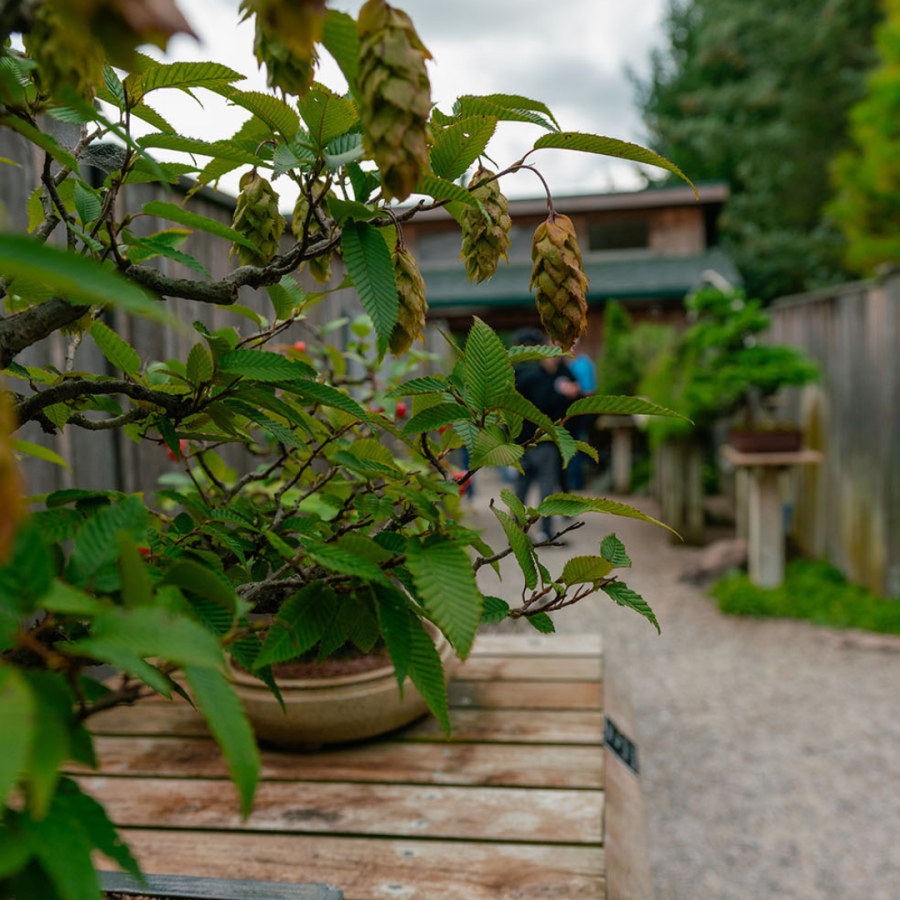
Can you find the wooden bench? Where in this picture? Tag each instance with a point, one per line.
(526, 801)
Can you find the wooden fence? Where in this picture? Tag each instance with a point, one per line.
(848, 509)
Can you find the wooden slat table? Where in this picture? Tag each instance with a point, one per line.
(517, 805)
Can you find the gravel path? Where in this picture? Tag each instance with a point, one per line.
(770, 753)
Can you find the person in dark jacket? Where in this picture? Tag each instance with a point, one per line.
(551, 387)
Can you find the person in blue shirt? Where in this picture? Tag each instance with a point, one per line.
(585, 373)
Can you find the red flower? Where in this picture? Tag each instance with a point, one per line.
(300, 346)
(401, 410)
(144, 550)
(182, 447)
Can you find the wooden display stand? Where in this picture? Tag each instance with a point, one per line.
(763, 514)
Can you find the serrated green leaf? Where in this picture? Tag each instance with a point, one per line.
(69, 601)
(489, 451)
(17, 721)
(436, 417)
(521, 547)
(458, 146)
(228, 723)
(151, 117)
(611, 405)
(541, 622)
(426, 671)
(566, 444)
(523, 353)
(342, 42)
(66, 192)
(263, 365)
(495, 610)
(575, 505)
(482, 106)
(199, 365)
(281, 434)
(38, 452)
(440, 189)
(181, 75)
(515, 505)
(607, 146)
(625, 596)
(612, 549)
(119, 352)
(97, 542)
(442, 573)
(87, 203)
(516, 403)
(585, 570)
(279, 117)
(351, 210)
(113, 84)
(427, 384)
(394, 618)
(298, 626)
(40, 139)
(583, 447)
(326, 395)
(174, 213)
(326, 114)
(137, 585)
(76, 278)
(337, 559)
(369, 264)
(518, 102)
(143, 249)
(191, 576)
(488, 371)
(221, 151)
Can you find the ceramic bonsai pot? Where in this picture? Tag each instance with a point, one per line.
(334, 709)
(773, 440)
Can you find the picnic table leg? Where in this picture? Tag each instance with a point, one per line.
(621, 460)
(766, 528)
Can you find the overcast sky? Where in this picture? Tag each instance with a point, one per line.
(571, 54)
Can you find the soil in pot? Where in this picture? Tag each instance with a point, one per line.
(346, 699)
(771, 440)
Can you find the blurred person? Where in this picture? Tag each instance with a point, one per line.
(585, 373)
(551, 387)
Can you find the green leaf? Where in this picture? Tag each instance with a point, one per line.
(522, 353)
(521, 547)
(585, 570)
(221, 151)
(610, 405)
(298, 627)
(515, 504)
(625, 596)
(394, 617)
(69, 601)
(278, 116)
(612, 549)
(458, 146)
(427, 384)
(279, 432)
(87, 203)
(352, 210)
(488, 371)
(66, 192)
(426, 671)
(174, 213)
(517, 102)
(191, 576)
(326, 395)
(482, 106)
(142, 249)
(262, 365)
(516, 403)
(342, 42)
(436, 417)
(542, 622)
(76, 278)
(120, 353)
(137, 585)
(606, 146)
(442, 573)
(491, 450)
(587, 449)
(17, 720)
(38, 452)
(40, 139)
(439, 189)
(566, 444)
(181, 75)
(575, 505)
(326, 114)
(113, 84)
(344, 151)
(495, 610)
(340, 560)
(151, 117)
(228, 723)
(199, 365)
(97, 542)
(368, 262)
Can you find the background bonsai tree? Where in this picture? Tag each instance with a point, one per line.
(342, 525)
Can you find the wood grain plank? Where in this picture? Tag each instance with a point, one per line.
(532, 645)
(381, 869)
(524, 668)
(512, 765)
(526, 694)
(480, 814)
(504, 725)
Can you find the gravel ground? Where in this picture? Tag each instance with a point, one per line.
(770, 753)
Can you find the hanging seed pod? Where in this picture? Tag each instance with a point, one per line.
(12, 505)
(559, 280)
(395, 96)
(65, 53)
(257, 218)
(412, 306)
(319, 266)
(485, 237)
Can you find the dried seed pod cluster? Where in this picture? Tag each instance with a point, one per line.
(319, 266)
(285, 40)
(65, 53)
(485, 237)
(395, 94)
(257, 218)
(412, 305)
(559, 280)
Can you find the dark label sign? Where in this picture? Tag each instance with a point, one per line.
(621, 745)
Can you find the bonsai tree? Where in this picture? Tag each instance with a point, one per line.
(718, 368)
(333, 535)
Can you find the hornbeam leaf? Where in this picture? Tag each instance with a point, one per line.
(575, 505)
(625, 596)
(613, 405)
